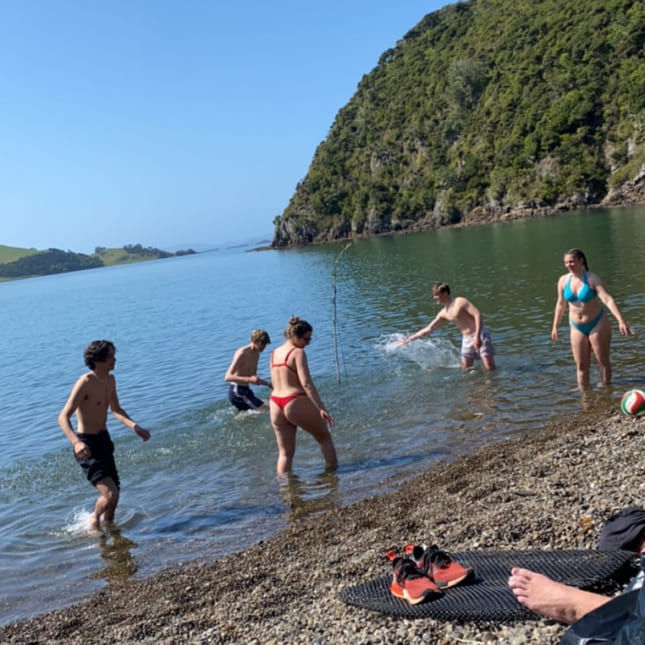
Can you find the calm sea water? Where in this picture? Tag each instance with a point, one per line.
(204, 485)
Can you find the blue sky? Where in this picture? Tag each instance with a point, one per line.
(172, 123)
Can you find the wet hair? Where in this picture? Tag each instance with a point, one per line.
(297, 328)
(260, 336)
(97, 352)
(578, 255)
(440, 287)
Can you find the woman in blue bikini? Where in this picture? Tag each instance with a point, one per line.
(590, 327)
(295, 400)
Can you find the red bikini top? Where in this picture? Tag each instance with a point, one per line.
(284, 363)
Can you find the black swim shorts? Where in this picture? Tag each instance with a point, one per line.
(242, 397)
(101, 464)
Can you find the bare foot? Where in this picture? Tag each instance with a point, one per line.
(552, 599)
(94, 530)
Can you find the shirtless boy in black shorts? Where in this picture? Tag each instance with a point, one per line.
(90, 399)
(243, 372)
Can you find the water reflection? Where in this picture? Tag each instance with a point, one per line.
(598, 401)
(305, 497)
(120, 565)
(483, 395)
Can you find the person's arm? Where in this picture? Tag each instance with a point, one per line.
(596, 283)
(302, 367)
(121, 415)
(560, 305)
(80, 449)
(231, 374)
(437, 322)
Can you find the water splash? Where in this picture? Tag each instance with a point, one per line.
(78, 523)
(427, 353)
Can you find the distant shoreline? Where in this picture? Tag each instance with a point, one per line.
(36, 264)
(132, 258)
(483, 216)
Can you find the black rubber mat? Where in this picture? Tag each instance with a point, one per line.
(488, 597)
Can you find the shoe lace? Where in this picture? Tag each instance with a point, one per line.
(407, 569)
(438, 557)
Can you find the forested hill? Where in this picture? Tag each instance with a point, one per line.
(485, 107)
(26, 263)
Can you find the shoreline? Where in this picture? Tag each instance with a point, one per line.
(547, 489)
(485, 215)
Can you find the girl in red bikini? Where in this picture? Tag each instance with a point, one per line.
(295, 400)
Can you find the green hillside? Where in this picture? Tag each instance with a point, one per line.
(484, 107)
(26, 263)
(11, 253)
(128, 254)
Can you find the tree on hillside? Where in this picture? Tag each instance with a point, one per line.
(48, 262)
(485, 105)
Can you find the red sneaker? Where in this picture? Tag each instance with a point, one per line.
(410, 583)
(439, 565)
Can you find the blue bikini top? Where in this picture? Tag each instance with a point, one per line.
(586, 293)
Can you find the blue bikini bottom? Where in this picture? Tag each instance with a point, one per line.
(587, 328)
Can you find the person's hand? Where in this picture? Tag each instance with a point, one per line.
(327, 418)
(403, 341)
(554, 335)
(82, 450)
(477, 342)
(625, 329)
(141, 432)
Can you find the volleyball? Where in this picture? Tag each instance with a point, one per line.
(633, 403)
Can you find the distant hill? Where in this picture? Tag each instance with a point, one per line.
(484, 109)
(26, 263)
(11, 253)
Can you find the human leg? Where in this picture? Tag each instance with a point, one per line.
(581, 350)
(106, 503)
(488, 363)
(285, 436)
(600, 340)
(468, 353)
(466, 363)
(552, 599)
(100, 470)
(487, 351)
(303, 413)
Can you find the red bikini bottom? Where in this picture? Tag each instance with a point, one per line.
(281, 401)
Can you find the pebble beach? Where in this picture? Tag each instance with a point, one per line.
(551, 489)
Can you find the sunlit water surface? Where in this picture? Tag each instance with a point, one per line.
(205, 484)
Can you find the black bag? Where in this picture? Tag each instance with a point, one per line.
(621, 621)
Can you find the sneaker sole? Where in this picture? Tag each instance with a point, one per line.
(399, 592)
(452, 583)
